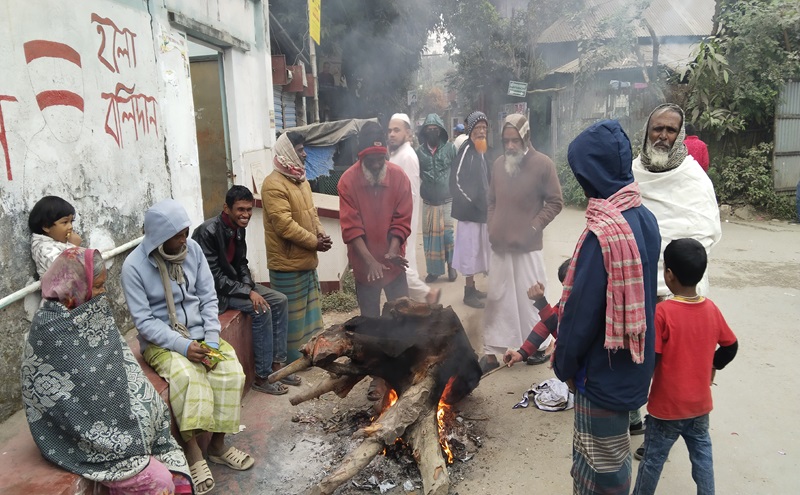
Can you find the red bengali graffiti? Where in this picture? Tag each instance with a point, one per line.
(122, 45)
(3, 140)
(127, 108)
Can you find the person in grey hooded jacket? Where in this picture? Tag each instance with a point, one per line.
(183, 344)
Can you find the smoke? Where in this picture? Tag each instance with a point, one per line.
(380, 45)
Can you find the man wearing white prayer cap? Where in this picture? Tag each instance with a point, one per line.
(402, 154)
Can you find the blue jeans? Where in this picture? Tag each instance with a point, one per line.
(269, 328)
(658, 440)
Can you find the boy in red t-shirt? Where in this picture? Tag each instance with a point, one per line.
(688, 329)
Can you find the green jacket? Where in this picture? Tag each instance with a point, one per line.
(434, 169)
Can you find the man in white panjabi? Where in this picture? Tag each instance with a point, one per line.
(402, 154)
(675, 188)
(524, 197)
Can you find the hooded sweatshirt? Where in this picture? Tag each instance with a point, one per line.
(195, 301)
(434, 168)
(600, 158)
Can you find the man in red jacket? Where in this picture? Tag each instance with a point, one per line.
(375, 214)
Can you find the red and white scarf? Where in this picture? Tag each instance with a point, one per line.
(286, 160)
(626, 321)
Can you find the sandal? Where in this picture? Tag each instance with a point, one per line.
(488, 362)
(234, 459)
(200, 475)
(436, 298)
(270, 388)
(292, 379)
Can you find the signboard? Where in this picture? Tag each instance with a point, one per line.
(520, 108)
(517, 88)
(412, 97)
(314, 19)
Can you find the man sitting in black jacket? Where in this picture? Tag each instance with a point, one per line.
(223, 241)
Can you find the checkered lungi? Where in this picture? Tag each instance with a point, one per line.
(601, 450)
(305, 310)
(437, 237)
(201, 400)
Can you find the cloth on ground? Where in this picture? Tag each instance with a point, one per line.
(550, 395)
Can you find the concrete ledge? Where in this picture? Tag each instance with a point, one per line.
(23, 470)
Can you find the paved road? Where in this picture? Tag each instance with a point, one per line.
(755, 279)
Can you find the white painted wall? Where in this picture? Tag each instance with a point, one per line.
(68, 114)
(96, 106)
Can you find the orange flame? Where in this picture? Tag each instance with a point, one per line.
(444, 413)
(392, 398)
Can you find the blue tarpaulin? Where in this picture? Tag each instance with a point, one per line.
(319, 161)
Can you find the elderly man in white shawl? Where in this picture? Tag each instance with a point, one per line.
(675, 187)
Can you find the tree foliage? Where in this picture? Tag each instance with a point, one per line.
(490, 50)
(736, 77)
(746, 179)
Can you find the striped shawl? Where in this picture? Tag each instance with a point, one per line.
(625, 301)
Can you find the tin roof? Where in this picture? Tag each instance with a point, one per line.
(673, 55)
(693, 18)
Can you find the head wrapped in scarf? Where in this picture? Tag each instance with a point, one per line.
(473, 119)
(286, 161)
(520, 123)
(677, 153)
(70, 278)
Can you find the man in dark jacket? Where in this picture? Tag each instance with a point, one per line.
(223, 241)
(469, 184)
(435, 155)
(607, 352)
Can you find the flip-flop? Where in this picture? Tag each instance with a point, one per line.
(270, 388)
(234, 459)
(293, 380)
(200, 475)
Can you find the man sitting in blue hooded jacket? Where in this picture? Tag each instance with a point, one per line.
(606, 333)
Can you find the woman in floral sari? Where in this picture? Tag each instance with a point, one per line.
(90, 408)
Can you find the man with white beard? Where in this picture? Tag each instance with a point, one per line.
(675, 188)
(402, 154)
(524, 197)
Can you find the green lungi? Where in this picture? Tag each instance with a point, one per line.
(201, 400)
(305, 312)
(437, 237)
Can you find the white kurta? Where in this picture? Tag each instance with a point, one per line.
(684, 204)
(457, 142)
(509, 315)
(406, 158)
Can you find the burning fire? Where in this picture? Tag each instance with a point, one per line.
(444, 414)
(392, 398)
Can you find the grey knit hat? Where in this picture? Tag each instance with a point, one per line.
(473, 119)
